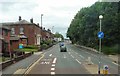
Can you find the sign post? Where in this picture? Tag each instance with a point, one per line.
(100, 36)
(105, 69)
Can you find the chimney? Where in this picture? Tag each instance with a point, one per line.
(31, 20)
(38, 24)
(20, 18)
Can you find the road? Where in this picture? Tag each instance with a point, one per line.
(71, 62)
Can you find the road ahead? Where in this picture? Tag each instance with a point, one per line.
(71, 62)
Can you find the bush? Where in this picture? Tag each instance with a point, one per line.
(48, 42)
(31, 47)
(110, 50)
(44, 46)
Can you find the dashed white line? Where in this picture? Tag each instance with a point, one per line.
(53, 65)
(69, 52)
(55, 59)
(50, 55)
(76, 52)
(78, 61)
(72, 56)
(64, 56)
(52, 73)
(52, 69)
(81, 56)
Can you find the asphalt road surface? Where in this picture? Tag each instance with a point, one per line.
(71, 62)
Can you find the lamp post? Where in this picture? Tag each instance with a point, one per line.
(41, 19)
(100, 17)
(41, 27)
(52, 29)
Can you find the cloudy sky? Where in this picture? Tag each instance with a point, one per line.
(56, 13)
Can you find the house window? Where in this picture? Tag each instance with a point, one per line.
(21, 30)
(12, 31)
(6, 32)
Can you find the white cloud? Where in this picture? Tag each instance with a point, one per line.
(58, 13)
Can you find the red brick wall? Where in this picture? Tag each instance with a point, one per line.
(14, 45)
(37, 31)
(6, 37)
(30, 30)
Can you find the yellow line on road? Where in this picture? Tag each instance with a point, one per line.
(30, 68)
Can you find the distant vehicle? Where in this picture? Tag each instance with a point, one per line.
(61, 44)
(63, 48)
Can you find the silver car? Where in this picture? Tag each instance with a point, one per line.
(63, 48)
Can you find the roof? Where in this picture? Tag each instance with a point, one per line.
(4, 27)
(18, 22)
(22, 22)
(23, 36)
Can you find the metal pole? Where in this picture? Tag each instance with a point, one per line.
(99, 50)
(41, 26)
(100, 24)
(52, 28)
(41, 19)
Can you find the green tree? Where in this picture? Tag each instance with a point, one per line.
(85, 25)
(58, 35)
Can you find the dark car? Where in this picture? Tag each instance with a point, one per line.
(63, 48)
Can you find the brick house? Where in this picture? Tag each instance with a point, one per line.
(22, 31)
(46, 34)
(4, 39)
(26, 33)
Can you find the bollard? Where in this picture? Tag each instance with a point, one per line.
(105, 69)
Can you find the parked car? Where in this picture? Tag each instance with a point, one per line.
(63, 48)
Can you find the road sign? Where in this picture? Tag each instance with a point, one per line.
(100, 35)
(106, 67)
(20, 46)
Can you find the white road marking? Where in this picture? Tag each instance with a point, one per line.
(76, 52)
(53, 65)
(52, 68)
(115, 63)
(50, 55)
(78, 61)
(55, 59)
(52, 73)
(45, 62)
(72, 56)
(69, 52)
(64, 56)
(42, 62)
(81, 56)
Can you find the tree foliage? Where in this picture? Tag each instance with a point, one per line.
(85, 25)
(58, 35)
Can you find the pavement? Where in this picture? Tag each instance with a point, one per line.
(74, 61)
(56, 62)
(21, 66)
(52, 62)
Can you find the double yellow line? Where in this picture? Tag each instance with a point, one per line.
(30, 68)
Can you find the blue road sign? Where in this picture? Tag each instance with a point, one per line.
(20, 46)
(100, 35)
(106, 67)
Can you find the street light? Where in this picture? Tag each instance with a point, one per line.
(100, 17)
(41, 26)
(52, 29)
(41, 19)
